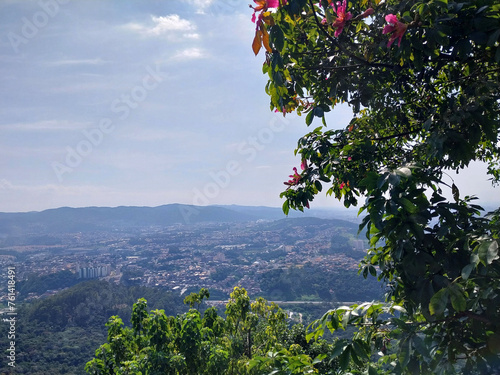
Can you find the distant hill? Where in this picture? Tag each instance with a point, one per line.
(91, 219)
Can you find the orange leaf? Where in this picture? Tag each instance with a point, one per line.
(265, 38)
(257, 42)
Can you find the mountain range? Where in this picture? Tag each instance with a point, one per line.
(91, 219)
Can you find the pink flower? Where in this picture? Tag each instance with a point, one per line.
(295, 178)
(342, 17)
(262, 6)
(396, 28)
(303, 165)
(344, 185)
(367, 13)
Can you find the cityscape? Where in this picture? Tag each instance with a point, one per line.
(178, 257)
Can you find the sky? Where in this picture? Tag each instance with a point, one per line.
(144, 103)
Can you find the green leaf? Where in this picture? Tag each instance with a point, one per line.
(466, 271)
(360, 350)
(394, 179)
(345, 357)
(370, 181)
(408, 206)
(338, 348)
(457, 297)
(319, 359)
(438, 302)
(382, 180)
(286, 207)
(309, 118)
(401, 309)
(404, 172)
(373, 271)
(488, 251)
(318, 112)
(277, 37)
(334, 322)
(404, 352)
(318, 186)
(420, 346)
(365, 272)
(427, 123)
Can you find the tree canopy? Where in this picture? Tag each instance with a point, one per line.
(253, 338)
(422, 80)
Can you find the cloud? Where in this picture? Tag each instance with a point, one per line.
(190, 54)
(171, 26)
(169, 23)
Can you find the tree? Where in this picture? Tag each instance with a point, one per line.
(196, 298)
(422, 80)
(253, 339)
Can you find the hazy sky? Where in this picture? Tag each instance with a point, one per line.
(111, 103)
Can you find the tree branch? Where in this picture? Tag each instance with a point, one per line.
(385, 138)
(337, 44)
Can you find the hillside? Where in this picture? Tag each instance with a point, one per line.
(59, 334)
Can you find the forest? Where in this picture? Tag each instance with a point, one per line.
(59, 334)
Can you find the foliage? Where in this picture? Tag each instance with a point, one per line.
(422, 79)
(58, 334)
(40, 284)
(196, 298)
(254, 338)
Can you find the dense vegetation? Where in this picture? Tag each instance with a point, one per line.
(40, 284)
(252, 338)
(59, 334)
